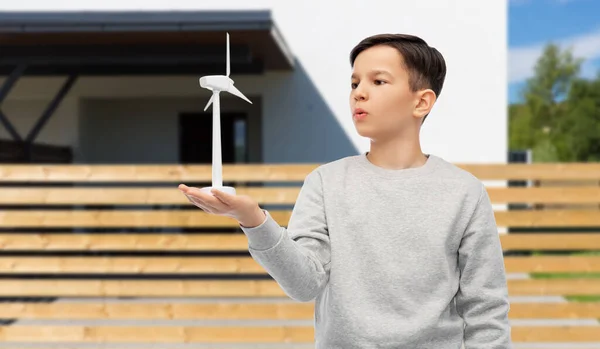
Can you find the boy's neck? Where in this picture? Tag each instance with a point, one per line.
(397, 154)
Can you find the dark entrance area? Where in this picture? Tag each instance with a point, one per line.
(195, 138)
(23, 152)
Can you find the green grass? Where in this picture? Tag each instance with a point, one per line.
(582, 298)
(565, 275)
(591, 298)
(581, 253)
(586, 298)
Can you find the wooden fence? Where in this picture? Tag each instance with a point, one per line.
(83, 243)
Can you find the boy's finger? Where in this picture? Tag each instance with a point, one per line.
(203, 205)
(199, 194)
(207, 199)
(225, 198)
(206, 207)
(201, 199)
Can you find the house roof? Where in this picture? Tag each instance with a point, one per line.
(141, 42)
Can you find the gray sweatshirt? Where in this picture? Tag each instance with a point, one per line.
(406, 258)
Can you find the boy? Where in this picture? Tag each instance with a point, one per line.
(399, 249)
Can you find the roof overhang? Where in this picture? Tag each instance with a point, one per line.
(136, 42)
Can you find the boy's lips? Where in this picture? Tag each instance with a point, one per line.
(359, 113)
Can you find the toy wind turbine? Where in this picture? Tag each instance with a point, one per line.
(218, 84)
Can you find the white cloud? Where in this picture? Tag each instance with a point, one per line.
(521, 60)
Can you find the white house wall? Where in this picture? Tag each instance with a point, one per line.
(306, 114)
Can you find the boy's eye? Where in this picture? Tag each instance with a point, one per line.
(354, 85)
(379, 82)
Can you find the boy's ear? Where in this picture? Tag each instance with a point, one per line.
(424, 102)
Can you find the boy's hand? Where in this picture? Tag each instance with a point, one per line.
(240, 207)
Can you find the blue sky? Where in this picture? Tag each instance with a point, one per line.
(534, 23)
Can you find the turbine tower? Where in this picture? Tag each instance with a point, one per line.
(218, 84)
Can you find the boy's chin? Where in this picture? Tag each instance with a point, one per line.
(368, 132)
(375, 133)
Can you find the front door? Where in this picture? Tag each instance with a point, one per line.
(195, 138)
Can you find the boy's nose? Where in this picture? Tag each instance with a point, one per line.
(359, 95)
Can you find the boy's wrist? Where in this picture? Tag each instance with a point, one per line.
(253, 219)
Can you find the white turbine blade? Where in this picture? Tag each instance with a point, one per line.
(209, 102)
(228, 60)
(234, 91)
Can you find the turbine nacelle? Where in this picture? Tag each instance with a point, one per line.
(216, 82)
(220, 83)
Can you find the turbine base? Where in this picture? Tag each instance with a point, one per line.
(228, 190)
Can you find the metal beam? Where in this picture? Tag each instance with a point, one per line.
(256, 67)
(4, 90)
(11, 80)
(95, 60)
(9, 127)
(134, 21)
(51, 108)
(122, 54)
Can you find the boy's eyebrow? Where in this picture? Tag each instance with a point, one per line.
(377, 72)
(374, 72)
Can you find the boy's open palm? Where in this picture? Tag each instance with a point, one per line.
(240, 207)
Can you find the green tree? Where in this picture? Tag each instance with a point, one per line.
(580, 126)
(559, 116)
(520, 127)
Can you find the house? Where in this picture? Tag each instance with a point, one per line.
(107, 83)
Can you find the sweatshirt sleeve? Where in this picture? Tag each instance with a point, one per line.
(482, 299)
(297, 257)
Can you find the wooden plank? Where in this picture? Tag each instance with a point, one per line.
(131, 196)
(550, 241)
(548, 218)
(562, 195)
(269, 172)
(243, 311)
(242, 265)
(162, 311)
(153, 173)
(231, 334)
(552, 171)
(198, 218)
(123, 218)
(157, 334)
(554, 287)
(237, 288)
(123, 242)
(134, 265)
(552, 264)
(572, 310)
(139, 288)
(550, 334)
(237, 242)
(264, 195)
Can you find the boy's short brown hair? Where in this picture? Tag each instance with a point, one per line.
(426, 65)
